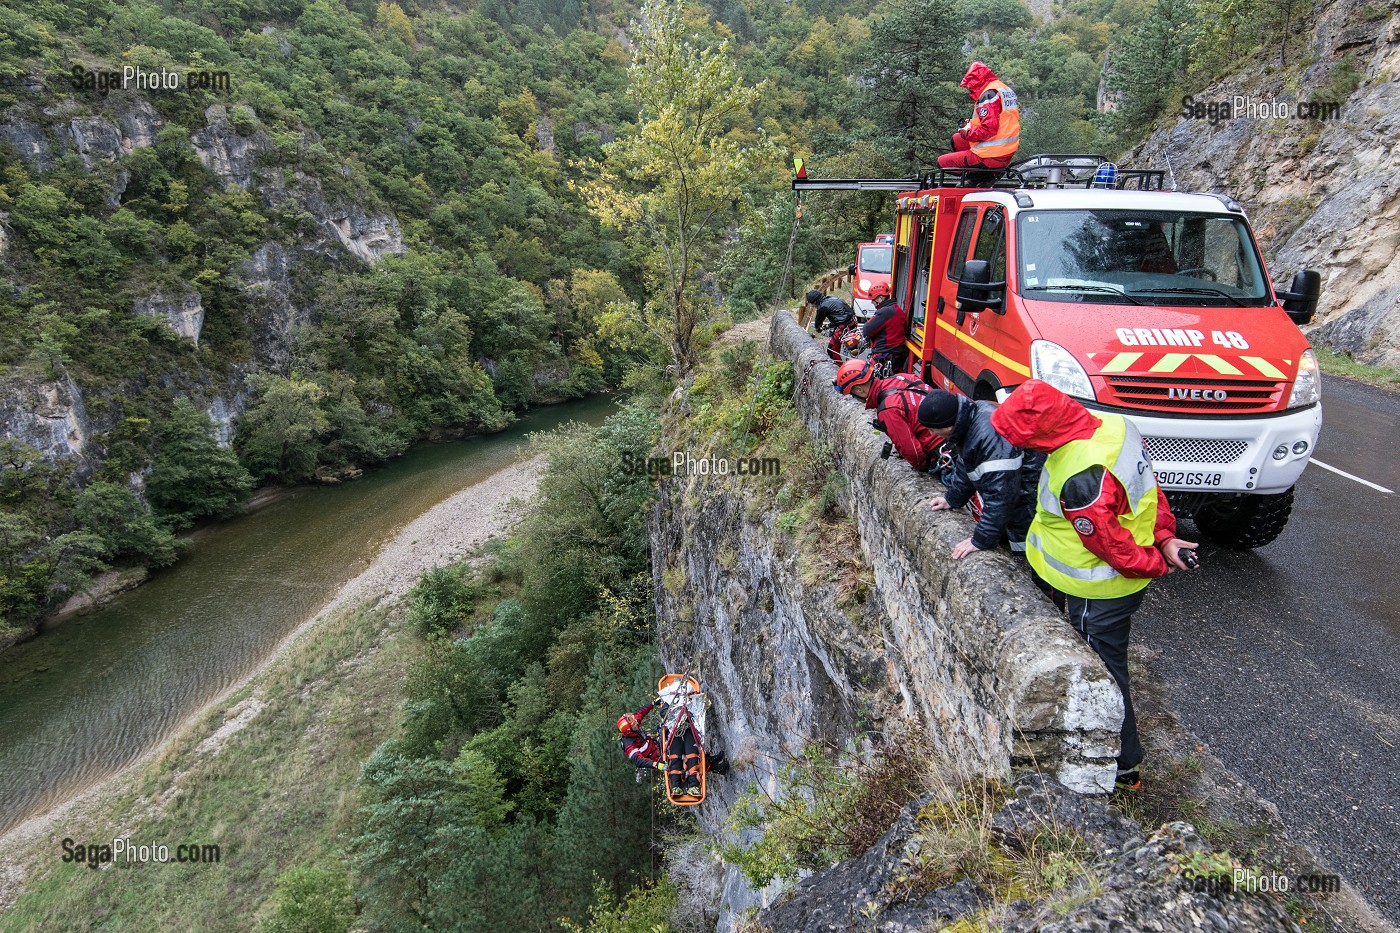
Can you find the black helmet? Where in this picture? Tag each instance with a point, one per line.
(815, 296)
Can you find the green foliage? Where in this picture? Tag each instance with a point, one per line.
(280, 434)
(312, 900)
(124, 526)
(911, 79)
(507, 764)
(440, 600)
(644, 909)
(674, 186)
(191, 475)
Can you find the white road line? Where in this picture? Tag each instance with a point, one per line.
(1364, 482)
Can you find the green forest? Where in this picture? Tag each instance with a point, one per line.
(526, 162)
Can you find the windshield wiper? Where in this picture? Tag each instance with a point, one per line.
(1084, 288)
(1193, 290)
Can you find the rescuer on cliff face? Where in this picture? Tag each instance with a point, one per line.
(989, 140)
(681, 766)
(895, 402)
(984, 462)
(1102, 528)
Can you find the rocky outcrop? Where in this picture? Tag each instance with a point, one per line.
(227, 153)
(1323, 195)
(781, 663)
(1132, 882)
(969, 651)
(184, 312)
(48, 416)
(267, 281)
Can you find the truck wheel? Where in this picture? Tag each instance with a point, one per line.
(1245, 522)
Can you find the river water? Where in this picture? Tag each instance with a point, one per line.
(90, 696)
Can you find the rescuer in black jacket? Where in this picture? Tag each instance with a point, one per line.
(984, 462)
(831, 309)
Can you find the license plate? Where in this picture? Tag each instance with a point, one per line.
(1186, 478)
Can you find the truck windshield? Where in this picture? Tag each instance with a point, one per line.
(876, 259)
(1145, 257)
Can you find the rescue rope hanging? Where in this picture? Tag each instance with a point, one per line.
(792, 243)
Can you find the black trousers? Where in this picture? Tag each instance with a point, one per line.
(1106, 625)
(682, 760)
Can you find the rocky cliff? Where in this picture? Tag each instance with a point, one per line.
(969, 654)
(1322, 194)
(44, 128)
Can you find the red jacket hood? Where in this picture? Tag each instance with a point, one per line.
(1038, 416)
(977, 78)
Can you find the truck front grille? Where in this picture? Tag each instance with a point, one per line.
(1207, 396)
(1193, 450)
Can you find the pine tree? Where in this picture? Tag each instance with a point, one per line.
(914, 63)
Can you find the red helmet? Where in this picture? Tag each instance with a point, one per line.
(880, 290)
(627, 724)
(854, 373)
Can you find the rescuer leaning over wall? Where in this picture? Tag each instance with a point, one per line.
(999, 681)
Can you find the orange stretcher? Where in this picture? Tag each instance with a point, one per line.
(686, 712)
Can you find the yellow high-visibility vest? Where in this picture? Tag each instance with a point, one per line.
(1055, 549)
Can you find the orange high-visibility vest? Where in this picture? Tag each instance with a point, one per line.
(1008, 135)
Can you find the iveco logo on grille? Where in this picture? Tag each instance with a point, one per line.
(1198, 395)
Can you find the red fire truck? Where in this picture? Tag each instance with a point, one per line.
(1151, 303)
(874, 263)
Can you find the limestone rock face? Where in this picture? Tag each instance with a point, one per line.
(969, 652)
(51, 417)
(225, 152)
(1141, 884)
(184, 312)
(1321, 195)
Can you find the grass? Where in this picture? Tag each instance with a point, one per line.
(1339, 364)
(281, 793)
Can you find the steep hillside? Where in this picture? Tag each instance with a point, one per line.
(1322, 194)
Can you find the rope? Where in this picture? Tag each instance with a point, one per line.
(792, 242)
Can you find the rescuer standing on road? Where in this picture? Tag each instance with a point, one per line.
(1102, 528)
(990, 138)
(983, 462)
(895, 402)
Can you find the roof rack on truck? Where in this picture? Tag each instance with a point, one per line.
(1048, 170)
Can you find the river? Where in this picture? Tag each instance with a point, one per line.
(91, 695)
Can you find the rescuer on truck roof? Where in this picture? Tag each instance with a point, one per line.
(895, 402)
(985, 463)
(1102, 527)
(989, 140)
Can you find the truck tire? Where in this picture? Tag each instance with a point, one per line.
(1243, 523)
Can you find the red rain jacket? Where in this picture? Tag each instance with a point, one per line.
(1038, 416)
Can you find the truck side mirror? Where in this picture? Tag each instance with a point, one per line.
(977, 291)
(851, 270)
(1300, 301)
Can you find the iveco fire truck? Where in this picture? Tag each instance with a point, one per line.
(1134, 299)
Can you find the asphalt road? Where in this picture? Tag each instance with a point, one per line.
(1286, 660)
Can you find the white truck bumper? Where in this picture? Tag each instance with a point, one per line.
(865, 308)
(1230, 454)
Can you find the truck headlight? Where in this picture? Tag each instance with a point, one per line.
(1307, 388)
(865, 285)
(1052, 363)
